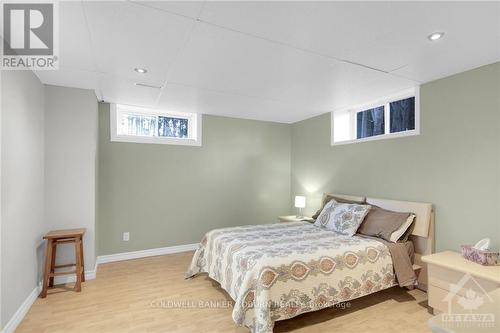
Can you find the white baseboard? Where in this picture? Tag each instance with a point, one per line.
(22, 311)
(146, 253)
(28, 302)
(89, 275)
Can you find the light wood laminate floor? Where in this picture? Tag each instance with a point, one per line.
(137, 295)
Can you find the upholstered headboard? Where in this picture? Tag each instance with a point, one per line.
(423, 231)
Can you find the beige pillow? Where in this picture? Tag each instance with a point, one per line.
(385, 224)
(327, 198)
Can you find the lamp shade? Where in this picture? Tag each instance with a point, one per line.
(300, 201)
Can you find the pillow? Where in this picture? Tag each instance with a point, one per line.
(385, 224)
(402, 234)
(342, 218)
(328, 197)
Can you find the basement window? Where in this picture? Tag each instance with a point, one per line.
(389, 117)
(142, 125)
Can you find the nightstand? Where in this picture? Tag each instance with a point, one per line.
(294, 218)
(451, 278)
(442, 323)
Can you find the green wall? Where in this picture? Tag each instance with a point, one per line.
(247, 171)
(167, 195)
(453, 164)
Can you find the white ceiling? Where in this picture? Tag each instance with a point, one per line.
(278, 61)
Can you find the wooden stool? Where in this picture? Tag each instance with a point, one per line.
(54, 238)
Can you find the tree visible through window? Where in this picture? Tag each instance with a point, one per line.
(402, 115)
(370, 122)
(172, 127)
(137, 124)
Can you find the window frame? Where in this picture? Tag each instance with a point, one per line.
(194, 126)
(385, 101)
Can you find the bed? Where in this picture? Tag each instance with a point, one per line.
(278, 271)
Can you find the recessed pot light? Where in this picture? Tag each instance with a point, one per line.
(435, 36)
(141, 70)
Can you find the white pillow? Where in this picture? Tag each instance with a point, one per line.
(396, 235)
(342, 218)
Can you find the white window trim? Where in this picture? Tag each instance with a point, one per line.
(413, 92)
(195, 126)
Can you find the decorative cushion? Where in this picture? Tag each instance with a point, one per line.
(383, 223)
(342, 218)
(328, 197)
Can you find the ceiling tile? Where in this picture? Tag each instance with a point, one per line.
(67, 77)
(325, 27)
(472, 39)
(472, 36)
(126, 35)
(332, 85)
(182, 98)
(228, 61)
(186, 8)
(123, 91)
(75, 50)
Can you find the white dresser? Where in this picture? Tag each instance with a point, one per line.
(451, 277)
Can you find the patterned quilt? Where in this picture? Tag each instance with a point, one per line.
(278, 271)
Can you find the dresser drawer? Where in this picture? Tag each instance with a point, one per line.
(436, 298)
(442, 278)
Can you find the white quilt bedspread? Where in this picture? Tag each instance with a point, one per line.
(278, 271)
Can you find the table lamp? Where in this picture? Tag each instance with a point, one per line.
(300, 202)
